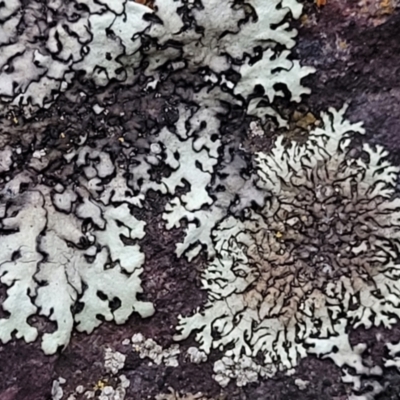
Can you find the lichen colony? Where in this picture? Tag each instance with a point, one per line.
(319, 256)
(301, 240)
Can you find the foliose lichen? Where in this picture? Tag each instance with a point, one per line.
(289, 279)
(70, 244)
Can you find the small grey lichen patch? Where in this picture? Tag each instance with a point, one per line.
(148, 348)
(243, 370)
(321, 255)
(79, 390)
(119, 393)
(195, 355)
(301, 383)
(113, 361)
(174, 395)
(106, 391)
(256, 129)
(57, 392)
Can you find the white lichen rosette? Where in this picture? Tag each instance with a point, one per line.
(320, 256)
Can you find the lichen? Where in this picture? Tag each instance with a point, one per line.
(62, 247)
(320, 256)
(174, 395)
(301, 242)
(150, 349)
(69, 241)
(113, 361)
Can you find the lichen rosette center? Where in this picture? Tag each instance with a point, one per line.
(313, 233)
